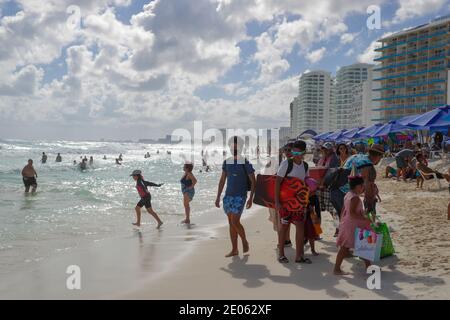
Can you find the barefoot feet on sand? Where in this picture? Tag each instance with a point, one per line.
(246, 247)
(232, 254)
(340, 273)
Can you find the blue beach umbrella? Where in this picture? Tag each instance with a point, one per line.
(322, 136)
(351, 133)
(390, 127)
(430, 119)
(369, 131)
(446, 118)
(335, 136)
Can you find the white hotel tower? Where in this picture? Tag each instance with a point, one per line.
(342, 106)
(310, 110)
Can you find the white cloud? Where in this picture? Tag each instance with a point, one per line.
(347, 38)
(316, 55)
(145, 72)
(369, 54)
(412, 8)
(349, 52)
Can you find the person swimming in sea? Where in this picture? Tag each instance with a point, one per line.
(83, 164)
(91, 161)
(118, 162)
(44, 157)
(104, 157)
(146, 198)
(58, 158)
(188, 182)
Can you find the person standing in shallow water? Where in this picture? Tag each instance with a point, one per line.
(238, 173)
(188, 182)
(29, 176)
(146, 199)
(44, 158)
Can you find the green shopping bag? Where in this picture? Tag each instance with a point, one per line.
(387, 248)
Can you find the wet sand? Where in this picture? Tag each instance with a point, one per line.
(419, 270)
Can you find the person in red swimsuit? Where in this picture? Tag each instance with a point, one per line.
(146, 199)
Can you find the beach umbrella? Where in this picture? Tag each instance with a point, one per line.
(322, 136)
(430, 119)
(335, 136)
(405, 120)
(390, 127)
(351, 133)
(446, 118)
(367, 132)
(308, 132)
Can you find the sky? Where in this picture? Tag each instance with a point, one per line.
(131, 69)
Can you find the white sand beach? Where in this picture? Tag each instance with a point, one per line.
(419, 270)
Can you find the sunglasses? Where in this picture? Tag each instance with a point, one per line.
(298, 153)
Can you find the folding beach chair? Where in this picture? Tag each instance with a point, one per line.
(435, 178)
(436, 154)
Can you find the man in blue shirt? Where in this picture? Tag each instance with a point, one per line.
(239, 175)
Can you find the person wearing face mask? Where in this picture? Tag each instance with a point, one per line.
(294, 167)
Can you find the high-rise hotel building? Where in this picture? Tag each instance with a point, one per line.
(348, 79)
(414, 69)
(310, 110)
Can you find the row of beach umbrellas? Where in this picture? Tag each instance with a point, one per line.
(436, 119)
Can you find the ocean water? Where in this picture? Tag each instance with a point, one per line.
(75, 212)
(75, 209)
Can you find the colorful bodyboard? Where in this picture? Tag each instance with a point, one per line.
(294, 193)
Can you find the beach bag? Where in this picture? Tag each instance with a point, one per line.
(387, 248)
(368, 244)
(316, 222)
(249, 182)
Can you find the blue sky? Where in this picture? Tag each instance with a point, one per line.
(157, 68)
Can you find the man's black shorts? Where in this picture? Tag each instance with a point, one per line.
(147, 202)
(29, 182)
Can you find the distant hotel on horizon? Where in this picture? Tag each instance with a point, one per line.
(412, 76)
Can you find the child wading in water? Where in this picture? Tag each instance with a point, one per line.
(188, 182)
(146, 199)
(352, 217)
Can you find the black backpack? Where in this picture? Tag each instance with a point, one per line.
(291, 165)
(336, 177)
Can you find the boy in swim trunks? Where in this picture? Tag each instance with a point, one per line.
(146, 199)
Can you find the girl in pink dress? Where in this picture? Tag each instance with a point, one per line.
(352, 217)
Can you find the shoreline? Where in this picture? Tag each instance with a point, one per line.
(189, 263)
(259, 275)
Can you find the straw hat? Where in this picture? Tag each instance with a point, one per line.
(378, 148)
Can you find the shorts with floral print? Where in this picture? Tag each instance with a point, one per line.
(234, 204)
